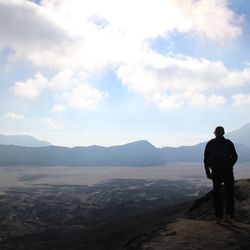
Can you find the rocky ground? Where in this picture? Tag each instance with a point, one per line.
(137, 215)
(198, 230)
(104, 216)
(190, 234)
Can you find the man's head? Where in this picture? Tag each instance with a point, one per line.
(219, 131)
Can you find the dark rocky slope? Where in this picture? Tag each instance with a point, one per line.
(148, 225)
(198, 230)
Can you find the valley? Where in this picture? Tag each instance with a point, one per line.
(94, 208)
(38, 214)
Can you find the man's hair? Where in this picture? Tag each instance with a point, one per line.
(219, 131)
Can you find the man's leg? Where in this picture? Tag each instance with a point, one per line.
(217, 185)
(229, 188)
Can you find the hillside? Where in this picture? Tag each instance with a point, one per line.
(22, 140)
(241, 135)
(197, 229)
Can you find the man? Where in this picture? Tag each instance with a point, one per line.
(219, 159)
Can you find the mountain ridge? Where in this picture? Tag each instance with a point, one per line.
(138, 154)
(134, 155)
(22, 140)
(241, 135)
(238, 136)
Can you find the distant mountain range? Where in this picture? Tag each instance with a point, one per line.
(140, 153)
(241, 135)
(22, 140)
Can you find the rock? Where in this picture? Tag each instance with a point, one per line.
(190, 234)
(197, 229)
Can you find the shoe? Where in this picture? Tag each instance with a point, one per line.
(228, 219)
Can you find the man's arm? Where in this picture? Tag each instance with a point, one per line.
(207, 162)
(233, 155)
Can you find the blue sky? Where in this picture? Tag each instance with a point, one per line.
(110, 72)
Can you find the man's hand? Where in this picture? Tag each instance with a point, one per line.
(209, 175)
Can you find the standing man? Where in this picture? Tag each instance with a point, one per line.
(219, 159)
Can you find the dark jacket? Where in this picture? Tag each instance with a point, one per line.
(220, 156)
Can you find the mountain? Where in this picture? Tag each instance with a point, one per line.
(22, 140)
(241, 135)
(196, 153)
(139, 153)
(183, 153)
(196, 229)
(136, 154)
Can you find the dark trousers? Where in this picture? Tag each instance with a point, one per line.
(228, 180)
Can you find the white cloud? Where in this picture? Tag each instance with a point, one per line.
(216, 100)
(70, 87)
(167, 101)
(58, 108)
(31, 87)
(149, 19)
(52, 124)
(14, 116)
(84, 97)
(241, 99)
(62, 80)
(91, 36)
(213, 19)
(198, 100)
(175, 81)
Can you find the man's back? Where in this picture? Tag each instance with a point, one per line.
(220, 155)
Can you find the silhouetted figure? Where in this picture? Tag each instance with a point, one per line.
(219, 159)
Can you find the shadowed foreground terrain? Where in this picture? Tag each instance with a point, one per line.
(103, 216)
(120, 214)
(197, 229)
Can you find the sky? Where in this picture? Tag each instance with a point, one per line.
(109, 72)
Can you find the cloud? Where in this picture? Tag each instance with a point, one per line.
(241, 99)
(84, 97)
(172, 81)
(62, 80)
(14, 116)
(209, 18)
(72, 90)
(91, 36)
(52, 124)
(29, 30)
(32, 87)
(216, 100)
(198, 100)
(58, 108)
